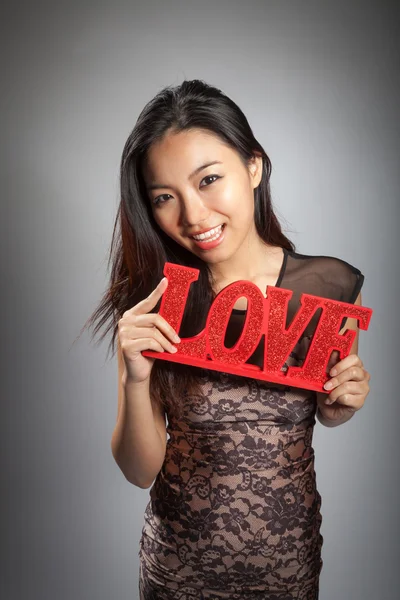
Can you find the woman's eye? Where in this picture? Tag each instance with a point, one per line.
(210, 176)
(159, 199)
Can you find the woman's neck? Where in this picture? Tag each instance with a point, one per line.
(257, 262)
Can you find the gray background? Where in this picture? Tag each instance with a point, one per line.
(319, 82)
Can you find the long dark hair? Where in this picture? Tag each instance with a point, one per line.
(139, 248)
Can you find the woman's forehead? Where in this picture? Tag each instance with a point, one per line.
(184, 152)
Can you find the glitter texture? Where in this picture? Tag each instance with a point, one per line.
(279, 341)
(218, 319)
(173, 306)
(264, 316)
(326, 338)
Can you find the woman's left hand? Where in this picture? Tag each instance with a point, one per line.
(348, 388)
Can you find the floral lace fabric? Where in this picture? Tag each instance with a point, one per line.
(234, 512)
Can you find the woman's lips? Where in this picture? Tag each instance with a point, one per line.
(206, 244)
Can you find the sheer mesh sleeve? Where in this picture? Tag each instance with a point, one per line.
(352, 284)
(325, 276)
(349, 281)
(346, 278)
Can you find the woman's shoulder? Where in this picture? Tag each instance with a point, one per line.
(330, 275)
(324, 260)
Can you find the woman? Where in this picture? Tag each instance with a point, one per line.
(234, 509)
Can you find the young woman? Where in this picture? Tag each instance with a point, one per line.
(234, 509)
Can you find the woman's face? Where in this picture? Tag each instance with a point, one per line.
(188, 198)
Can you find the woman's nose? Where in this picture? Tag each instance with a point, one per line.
(193, 210)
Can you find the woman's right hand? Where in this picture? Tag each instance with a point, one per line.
(138, 330)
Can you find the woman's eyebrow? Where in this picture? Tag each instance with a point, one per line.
(155, 186)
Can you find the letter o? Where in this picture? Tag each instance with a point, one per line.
(218, 318)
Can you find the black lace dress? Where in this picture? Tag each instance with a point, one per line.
(234, 512)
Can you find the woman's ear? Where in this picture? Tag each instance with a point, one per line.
(255, 170)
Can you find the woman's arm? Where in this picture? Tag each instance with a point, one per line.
(139, 439)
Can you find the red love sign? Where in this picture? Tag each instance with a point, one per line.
(264, 316)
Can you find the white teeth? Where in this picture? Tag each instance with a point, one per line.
(213, 234)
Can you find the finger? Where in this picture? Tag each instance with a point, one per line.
(350, 402)
(344, 392)
(345, 363)
(354, 373)
(146, 332)
(143, 344)
(156, 320)
(150, 302)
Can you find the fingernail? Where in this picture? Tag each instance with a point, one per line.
(328, 401)
(173, 349)
(328, 385)
(333, 372)
(177, 339)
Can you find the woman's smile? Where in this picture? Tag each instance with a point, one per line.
(211, 238)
